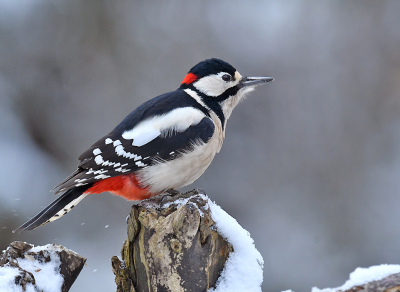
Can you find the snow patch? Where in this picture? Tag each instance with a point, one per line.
(7, 278)
(47, 275)
(362, 276)
(243, 270)
(183, 201)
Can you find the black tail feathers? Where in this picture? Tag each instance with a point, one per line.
(58, 208)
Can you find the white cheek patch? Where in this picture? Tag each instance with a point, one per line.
(229, 104)
(213, 85)
(177, 120)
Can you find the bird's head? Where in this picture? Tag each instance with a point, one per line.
(219, 85)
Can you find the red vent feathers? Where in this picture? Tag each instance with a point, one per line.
(189, 78)
(125, 185)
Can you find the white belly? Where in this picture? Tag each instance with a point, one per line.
(184, 170)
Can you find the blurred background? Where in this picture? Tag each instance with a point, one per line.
(311, 162)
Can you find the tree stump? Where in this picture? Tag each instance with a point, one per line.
(171, 246)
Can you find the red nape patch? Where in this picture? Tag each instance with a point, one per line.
(189, 78)
(125, 186)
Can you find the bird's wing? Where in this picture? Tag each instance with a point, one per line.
(157, 137)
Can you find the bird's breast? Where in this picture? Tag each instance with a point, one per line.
(186, 168)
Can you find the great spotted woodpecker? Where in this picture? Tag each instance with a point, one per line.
(166, 143)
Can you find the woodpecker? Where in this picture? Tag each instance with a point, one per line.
(166, 143)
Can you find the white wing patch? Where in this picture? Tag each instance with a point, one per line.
(144, 138)
(177, 120)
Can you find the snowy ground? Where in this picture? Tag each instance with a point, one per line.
(46, 273)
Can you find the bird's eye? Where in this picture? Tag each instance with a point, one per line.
(226, 77)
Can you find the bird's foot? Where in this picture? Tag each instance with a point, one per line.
(167, 196)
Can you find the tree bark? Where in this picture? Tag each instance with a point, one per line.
(171, 246)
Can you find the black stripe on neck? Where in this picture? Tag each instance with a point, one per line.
(214, 102)
(195, 104)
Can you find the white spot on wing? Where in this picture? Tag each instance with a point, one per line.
(96, 151)
(100, 171)
(140, 164)
(120, 169)
(99, 159)
(121, 152)
(102, 176)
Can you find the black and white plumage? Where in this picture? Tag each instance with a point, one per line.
(166, 143)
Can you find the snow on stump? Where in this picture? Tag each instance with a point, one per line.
(382, 278)
(185, 242)
(49, 268)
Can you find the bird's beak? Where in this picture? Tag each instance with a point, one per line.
(255, 81)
